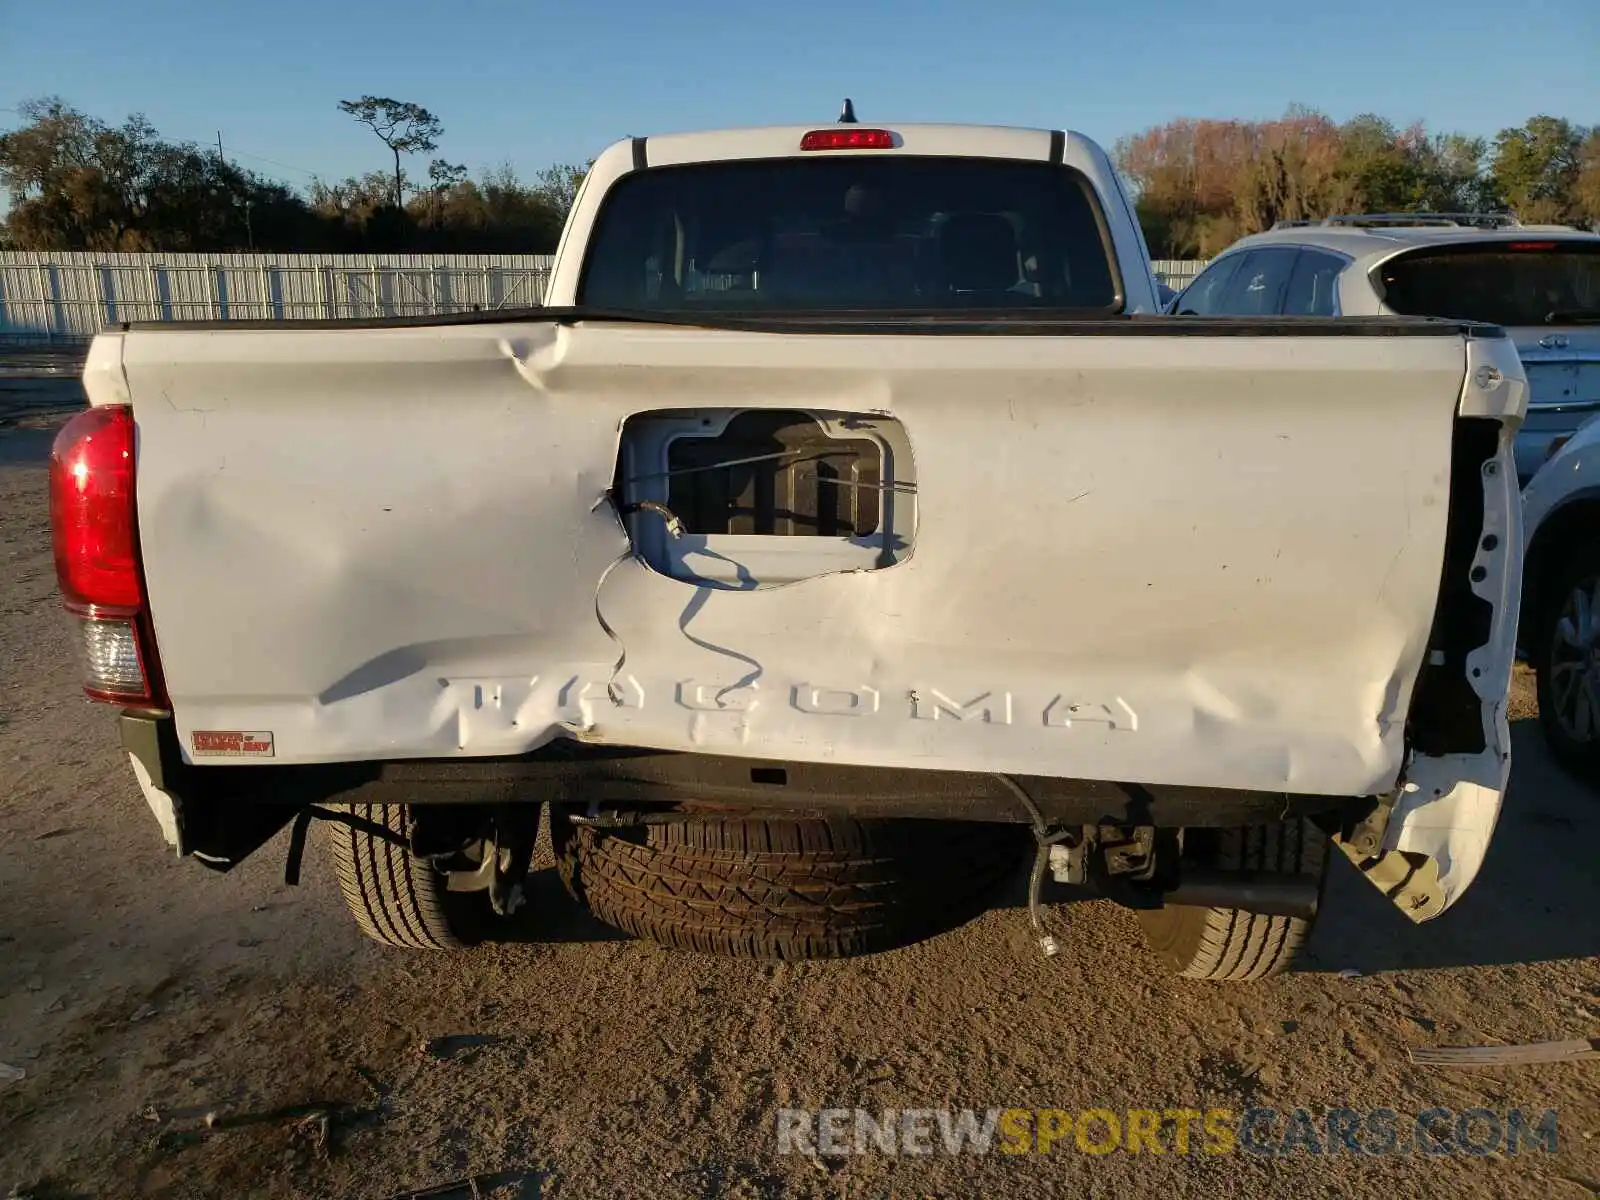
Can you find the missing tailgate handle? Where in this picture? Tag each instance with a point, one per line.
(767, 496)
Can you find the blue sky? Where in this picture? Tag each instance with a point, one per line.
(533, 82)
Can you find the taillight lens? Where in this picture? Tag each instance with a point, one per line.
(91, 510)
(94, 527)
(113, 666)
(848, 139)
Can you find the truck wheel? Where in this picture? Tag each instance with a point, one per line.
(1565, 644)
(396, 899)
(785, 889)
(1228, 943)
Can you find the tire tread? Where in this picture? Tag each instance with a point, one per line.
(395, 898)
(785, 889)
(1576, 567)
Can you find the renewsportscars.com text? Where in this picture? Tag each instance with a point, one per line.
(1266, 1132)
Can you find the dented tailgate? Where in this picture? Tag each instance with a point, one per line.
(1164, 556)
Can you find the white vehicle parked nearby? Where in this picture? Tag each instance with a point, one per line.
(849, 514)
(1561, 598)
(1540, 282)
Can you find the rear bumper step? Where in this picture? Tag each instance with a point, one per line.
(613, 778)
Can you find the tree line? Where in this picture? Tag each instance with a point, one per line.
(1201, 185)
(77, 183)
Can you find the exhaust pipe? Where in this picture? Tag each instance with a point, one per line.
(1270, 893)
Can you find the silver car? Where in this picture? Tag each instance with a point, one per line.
(1541, 282)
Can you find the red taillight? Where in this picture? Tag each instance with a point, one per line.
(848, 139)
(1535, 247)
(94, 528)
(91, 510)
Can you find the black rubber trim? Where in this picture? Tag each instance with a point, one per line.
(640, 159)
(1025, 322)
(1058, 147)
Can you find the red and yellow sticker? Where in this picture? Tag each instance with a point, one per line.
(231, 743)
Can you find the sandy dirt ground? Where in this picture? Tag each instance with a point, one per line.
(138, 994)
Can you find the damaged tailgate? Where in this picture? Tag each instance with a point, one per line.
(1142, 551)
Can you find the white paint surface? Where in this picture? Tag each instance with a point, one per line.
(385, 543)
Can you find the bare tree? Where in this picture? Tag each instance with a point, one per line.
(404, 128)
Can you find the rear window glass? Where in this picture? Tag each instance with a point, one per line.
(1533, 282)
(819, 233)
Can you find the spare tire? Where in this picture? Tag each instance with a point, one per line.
(1229, 943)
(785, 889)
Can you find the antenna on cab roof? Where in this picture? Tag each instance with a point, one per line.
(847, 114)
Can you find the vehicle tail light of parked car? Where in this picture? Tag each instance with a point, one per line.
(95, 532)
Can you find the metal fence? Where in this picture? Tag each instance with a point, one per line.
(71, 296)
(1178, 273)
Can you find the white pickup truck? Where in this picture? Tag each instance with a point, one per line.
(849, 514)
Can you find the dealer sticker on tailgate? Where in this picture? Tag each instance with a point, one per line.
(229, 743)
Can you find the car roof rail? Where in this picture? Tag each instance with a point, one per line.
(1400, 220)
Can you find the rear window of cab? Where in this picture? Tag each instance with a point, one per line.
(854, 232)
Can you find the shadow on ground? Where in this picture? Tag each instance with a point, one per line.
(552, 915)
(1535, 899)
